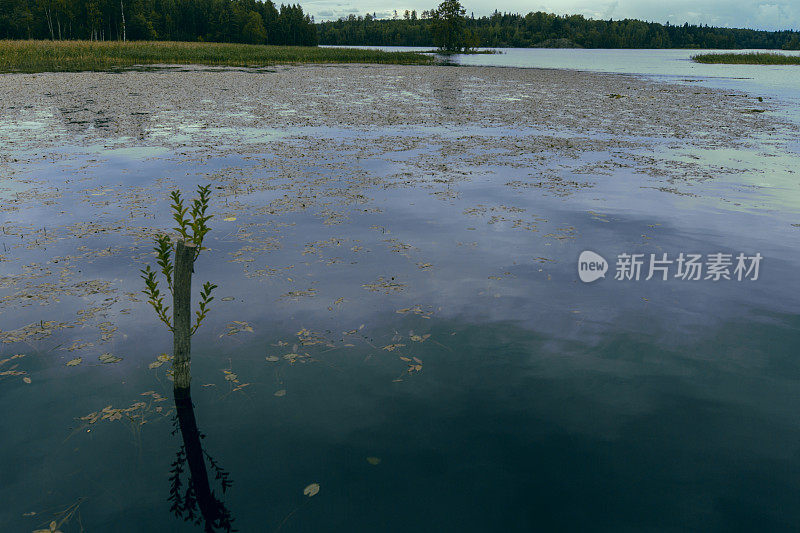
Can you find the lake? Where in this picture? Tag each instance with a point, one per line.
(670, 65)
(401, 339)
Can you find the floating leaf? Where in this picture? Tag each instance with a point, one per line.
(374, 461)
(294, 357)
(273, 358)
(311, 490)
(392, 347)
(52, 528)
(237, 326)
(26, 379)
(228, 299)
(74, 362)
(280, 393)
(229, 219)
(91, 417)
(160, 360)
(107, 358)
(19, 355)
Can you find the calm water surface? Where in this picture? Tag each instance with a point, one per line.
(676, 66)
(535, 401)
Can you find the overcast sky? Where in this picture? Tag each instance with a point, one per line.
(777, 15)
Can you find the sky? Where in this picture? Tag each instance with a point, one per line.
(757, 14)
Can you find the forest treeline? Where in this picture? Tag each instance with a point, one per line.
(262, 22)
(232, 21)
(505, 30)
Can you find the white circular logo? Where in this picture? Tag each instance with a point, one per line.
(591, 266)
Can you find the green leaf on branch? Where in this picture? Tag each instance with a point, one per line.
(205, 299)
(154, 297)
(199, 218)
(192, 227)
(163, 249)
(179, 215)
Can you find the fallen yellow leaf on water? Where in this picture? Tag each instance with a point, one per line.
(74, 362)
(237, 326)
(160, 360)
(107, 358)
(272, 358)
(311, 490)
(26, 379)
(374, 461)
(52, 529)
(280, 393)
(229, 219)
(392, 347)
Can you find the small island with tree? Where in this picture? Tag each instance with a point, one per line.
(448, 27)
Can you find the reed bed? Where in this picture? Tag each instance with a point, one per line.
(70, 56)
(751, 58)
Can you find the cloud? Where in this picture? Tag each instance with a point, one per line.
(609, 11)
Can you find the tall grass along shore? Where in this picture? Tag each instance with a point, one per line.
(69, 56)
(752, 58)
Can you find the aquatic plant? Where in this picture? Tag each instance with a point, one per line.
(192, 227)
(751, 58)
(71, 56)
